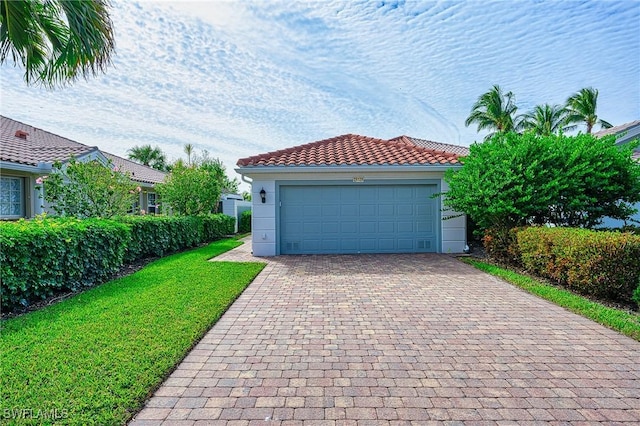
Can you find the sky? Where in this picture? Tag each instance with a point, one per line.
(240, 78)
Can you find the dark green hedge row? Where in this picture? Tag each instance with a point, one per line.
(597, 263)
(41, 258)
(153, 236)
(244, 225)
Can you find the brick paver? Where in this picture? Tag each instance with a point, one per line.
(397, 339)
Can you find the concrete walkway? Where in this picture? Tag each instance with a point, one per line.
(397, 339)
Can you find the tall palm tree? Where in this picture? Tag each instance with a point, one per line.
(582, 106)
(495, 111)
(545, 119)
(149, 156)
(56, 40)
(188, 149)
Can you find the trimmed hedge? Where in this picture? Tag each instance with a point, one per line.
(43, 257)
(40, 258)
(154, 236)
(244, 225)
(601, 264)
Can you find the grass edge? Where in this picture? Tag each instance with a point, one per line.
(566, 299)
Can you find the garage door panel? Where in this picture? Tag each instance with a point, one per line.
(368, 245)
(367, 227)
(347, 227)
(386, 227)
(386, 210)
(405, 227)
(357, 219)
(367, 210)
(330, 228)
(348, 245)
(405, 244)
(349, 210)
(330, 210)
(386, 244)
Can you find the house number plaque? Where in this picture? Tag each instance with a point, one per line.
(358, 179)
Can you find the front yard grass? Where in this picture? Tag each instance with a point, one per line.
(622, 321)
(95, 358)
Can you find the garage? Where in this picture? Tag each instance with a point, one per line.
(358, 218)
(353, 194)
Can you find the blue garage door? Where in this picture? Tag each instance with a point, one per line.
(358, 219)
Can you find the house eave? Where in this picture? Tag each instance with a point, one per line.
(27, 168)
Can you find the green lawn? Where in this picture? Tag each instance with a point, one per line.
(95, 358)
(622, 321)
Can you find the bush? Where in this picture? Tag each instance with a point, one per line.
(245, 222)
(601, 264)
(502, 245)
(519, 180)
(155, 236)
(636, 295)
(40, 258)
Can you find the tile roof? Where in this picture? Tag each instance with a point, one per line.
(352, 150)
(616, 129)
(137, 171)
(42, 146)
(39, 145)
(437, 146)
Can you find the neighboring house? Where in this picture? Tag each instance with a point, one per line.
(233, 205)
(27, 153)
(353, 194)
(625, 133)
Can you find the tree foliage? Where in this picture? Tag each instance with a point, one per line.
(149, 156)
(514, 180)
(190, 190)
(495, 111)
(88, 189)
(545, 119)
(582, 108)
(56, 41)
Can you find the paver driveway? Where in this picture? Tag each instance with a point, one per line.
(397, 339)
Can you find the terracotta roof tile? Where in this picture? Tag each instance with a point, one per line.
(352, 150)
(39, 145)
(138, 172)
(42, 146)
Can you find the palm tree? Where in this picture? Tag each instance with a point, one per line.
(545, 119)
(55, 40)
(495, 111)
(582, 107)
(148, 156)
(188, 149)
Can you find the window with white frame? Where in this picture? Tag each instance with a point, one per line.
(11, 197)
(151, 203)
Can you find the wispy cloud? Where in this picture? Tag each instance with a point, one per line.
(241, 78)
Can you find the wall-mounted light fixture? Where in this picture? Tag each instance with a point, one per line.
(263, 195)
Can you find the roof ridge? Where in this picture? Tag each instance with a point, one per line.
(352, 149)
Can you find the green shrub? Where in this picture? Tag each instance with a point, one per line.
(155, 236)
(245, 222)
(501, 245)
(602, 264)
(636, 295)
(217, 226)
(40, 258)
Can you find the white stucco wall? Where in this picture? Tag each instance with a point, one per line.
(263, 218)
(264, 226)
(454, 230)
